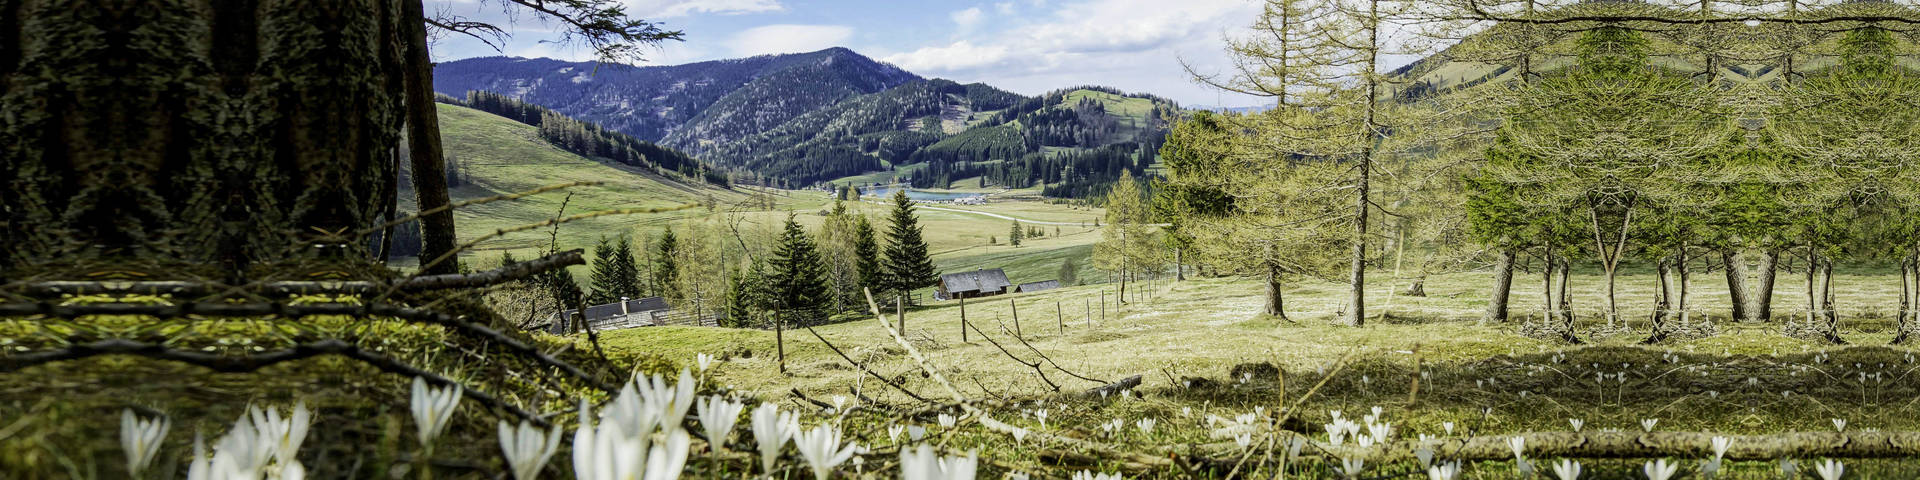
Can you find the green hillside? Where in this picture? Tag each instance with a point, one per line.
(501, 156)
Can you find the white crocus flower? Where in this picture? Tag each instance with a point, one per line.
(200, 466)
(1660, 469)
(717, 416)
(1019, 435)
(1720, 446)
(1519, 446)
(947, 421)
(432, 408)
(1648, 423)
(923, 464)
(1829, 469)
(1352, 466)
(141, 439)
(1567, 469)
(1839, 425)
(704, 361)
(1577, 423)
(668, 458)
(821, 449)
(1444, 471)
(1243, 440)
(916, 432)
(893, 432)
(283, 435)
(1145, 425)
(1089, 475)
(1448, 426)
(527, 448)
(1042, 415)
(1425, 455)
(771, 430)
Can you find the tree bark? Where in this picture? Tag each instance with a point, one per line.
(1274, 305)
(1737, 289)
(423, 139)
(1180, 264)
(1762, 308)
(215, 140)
(1566, 302)
(1906, 302)
(1661, 302)
(1502, 286)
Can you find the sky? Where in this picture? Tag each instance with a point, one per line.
(1025, 46)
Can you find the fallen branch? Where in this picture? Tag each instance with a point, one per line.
(1114, 388)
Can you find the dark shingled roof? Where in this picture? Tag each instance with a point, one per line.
(976, 281)
(637, 305)
(1038, 286)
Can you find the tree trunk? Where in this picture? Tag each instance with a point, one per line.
(1357, 294)
(1566, 302)
(1502, 285)
(1832, 317)
(213, 140)
(1686, 280)
(423, 134)
(1546, 289)
(1905, 327)
(1737, 291)
(1762, 308)
(1274, 305)
(1180, 264)
(1661, 303)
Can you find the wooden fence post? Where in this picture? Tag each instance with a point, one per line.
(1103, 306)
(1059, 317)
(963, 319)
(780, 341)
(1016, 317)
(900, 311)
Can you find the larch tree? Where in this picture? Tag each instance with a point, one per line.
(1127, 239)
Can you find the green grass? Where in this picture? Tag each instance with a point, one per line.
(503, 156)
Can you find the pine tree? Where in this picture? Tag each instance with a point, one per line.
(627, 272)
(799, 279)
(1069, 274)
(866, 250)
(747, 296)
(605, 278)
(666, 265)
(1014, 236)
(908, 265)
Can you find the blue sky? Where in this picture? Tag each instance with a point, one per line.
(1026, 46)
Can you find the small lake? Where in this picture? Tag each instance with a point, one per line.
(931, 196)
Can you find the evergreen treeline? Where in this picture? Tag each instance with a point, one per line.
(1069, 174)
(590, 140)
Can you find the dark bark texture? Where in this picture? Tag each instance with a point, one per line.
(223, 135)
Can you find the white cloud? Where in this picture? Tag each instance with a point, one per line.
(1005, 8)
(681, 8)
(1129, 44)
(967, 19)
(783, 38)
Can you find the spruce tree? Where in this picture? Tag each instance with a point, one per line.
(908, 265)
(867, 250)
(799, 278)
(1069, 274)
(605, 277)
(666, 267)
(1015, 234)
(747, 296)
(626, 271)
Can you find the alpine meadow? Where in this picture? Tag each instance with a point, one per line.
(806, 239)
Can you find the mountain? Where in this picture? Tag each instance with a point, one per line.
(681, 105)
(807, 118)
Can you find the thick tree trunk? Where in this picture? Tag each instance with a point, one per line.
(1737, 290)
(1686, 282)
(1274, 306)
(1762, 308)
(212, 139)
(1502, 285)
